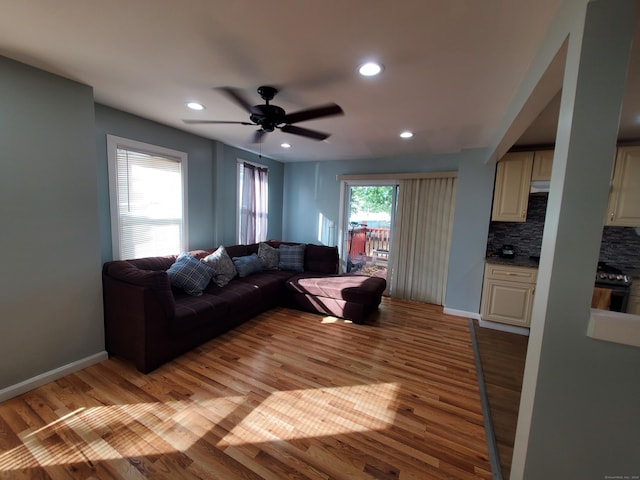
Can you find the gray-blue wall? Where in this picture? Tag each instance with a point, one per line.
(578, 414)
(200, 168)
(474, 196)
(311, 189)
(212, 173)
(51, 295)
(312, 194)
(226, 193)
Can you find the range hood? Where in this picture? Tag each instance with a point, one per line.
(539, 186)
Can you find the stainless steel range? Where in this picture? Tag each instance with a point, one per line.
(618, 282)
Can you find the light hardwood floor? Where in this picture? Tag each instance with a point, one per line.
(288, 395)
(503, 357)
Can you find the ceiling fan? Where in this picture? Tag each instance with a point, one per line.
(269, 117)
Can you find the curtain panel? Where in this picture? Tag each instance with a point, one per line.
(254, 208)
(422, 239)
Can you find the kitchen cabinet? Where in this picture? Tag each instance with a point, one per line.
(507, 294)
(542, 164)
(624, 194)
(514, 174)
(511, 194)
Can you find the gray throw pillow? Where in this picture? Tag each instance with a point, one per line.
(269, 256)
(221, 262)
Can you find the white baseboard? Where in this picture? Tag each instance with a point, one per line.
(504, 327)
(461, 313)
(50, 376)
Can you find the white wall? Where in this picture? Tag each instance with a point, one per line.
(51, 289)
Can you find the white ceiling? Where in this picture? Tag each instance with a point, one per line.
(451, 67)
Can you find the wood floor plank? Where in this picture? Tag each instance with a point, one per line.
(287, 395)
(503, 357)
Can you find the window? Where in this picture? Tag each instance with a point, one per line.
(147, 190)
(253, 202)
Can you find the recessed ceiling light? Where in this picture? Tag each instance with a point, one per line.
(285, 145)
(370, 69)
(195, 105)
(406, 134)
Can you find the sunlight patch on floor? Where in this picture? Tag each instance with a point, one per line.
(285, 415)
(111, 432)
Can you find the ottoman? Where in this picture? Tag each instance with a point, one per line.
(352, 297)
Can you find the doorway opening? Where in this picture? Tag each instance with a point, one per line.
(369, 212)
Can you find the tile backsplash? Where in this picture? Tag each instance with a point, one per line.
(526, 237)
(620, 245)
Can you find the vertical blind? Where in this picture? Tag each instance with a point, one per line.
(149, 203)
(422, 239)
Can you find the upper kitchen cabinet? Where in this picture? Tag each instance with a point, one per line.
(513, 180)
(542, 163)
(624, 196)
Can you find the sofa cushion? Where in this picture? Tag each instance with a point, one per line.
(194, 312)
(321, 259)
(237, 250)
(239, 295)
(269, 256)
(269, 282)
(190, 274)
(224, 268)
(247, 265)
(292, 257)
(352, 288)
(151, 263)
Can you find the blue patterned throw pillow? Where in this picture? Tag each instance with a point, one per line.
(224, 268)
(190, 274)
(292, 257)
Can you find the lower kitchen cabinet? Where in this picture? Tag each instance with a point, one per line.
(507, 294)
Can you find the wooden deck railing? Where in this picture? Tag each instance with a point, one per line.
(364, 240)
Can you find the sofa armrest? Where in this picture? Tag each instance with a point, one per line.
(138, 308)
(156, 281)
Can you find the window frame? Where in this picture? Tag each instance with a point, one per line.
(113, 144)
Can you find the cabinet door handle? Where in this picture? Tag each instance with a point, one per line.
(612, 214)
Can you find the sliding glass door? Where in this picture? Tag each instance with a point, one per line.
(368, 218)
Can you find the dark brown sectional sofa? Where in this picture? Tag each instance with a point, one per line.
(149, 322)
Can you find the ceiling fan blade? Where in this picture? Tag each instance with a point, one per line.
(238, 98)
(193, 122)
(311, 113)
(258, 135)
(305, 132)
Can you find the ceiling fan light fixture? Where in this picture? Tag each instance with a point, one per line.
(194, 105)
(370, 69)
(406, 134)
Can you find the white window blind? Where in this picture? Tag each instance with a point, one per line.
(147, 199)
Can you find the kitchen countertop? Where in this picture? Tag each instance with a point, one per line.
(517, 261)
(526, 261)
